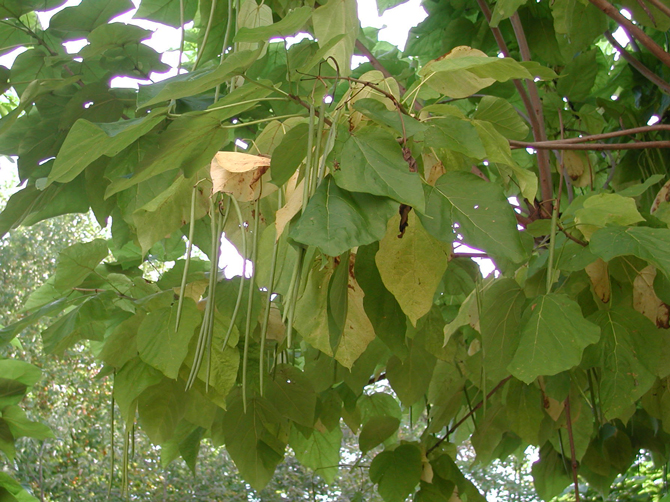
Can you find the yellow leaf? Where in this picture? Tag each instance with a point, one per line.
(578, 168)
(645, 300)
(286, 213)
(358, 331)
(662, 196)
(600, 279)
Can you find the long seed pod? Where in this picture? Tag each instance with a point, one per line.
(112, 455)
(250, 304)
(205, 327)
(213, 280)
(240, 291)
(189, 249)
(268, 302)
(293, 298)
(126, 450)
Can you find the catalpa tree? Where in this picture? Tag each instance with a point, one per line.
(352, 205)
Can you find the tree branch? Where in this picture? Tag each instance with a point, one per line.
(469, 414)
(636, 145)
(637, 64)
(634, 30)
(660, 6)
(606, 135)
(539, 133)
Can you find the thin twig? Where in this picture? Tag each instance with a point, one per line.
(660, 6)
(636, 145)
(637, 32)
(571, 439)
(637, 64)
(467, 415)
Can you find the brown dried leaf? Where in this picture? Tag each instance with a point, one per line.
(645, 300)
(238, 174)
(600, 279)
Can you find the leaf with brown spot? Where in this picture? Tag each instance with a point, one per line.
(645, 300)
(600, 279)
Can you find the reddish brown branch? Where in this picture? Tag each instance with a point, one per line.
(637, 64)
(639, 145)
(634, 30)
(539, 133)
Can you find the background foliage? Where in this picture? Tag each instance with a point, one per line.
(353, 203)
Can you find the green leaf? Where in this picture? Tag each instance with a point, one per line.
(159, 344)
(503, 9)
(637, 190)
(627, 353)
(21, 426)
(190, 84)
(131, 381)
(12, 491)
(411, 376)
(291, 393)
(524, 411)
(167, 11)
(455, 134)
(87, 142)
(553, 336)
(289, 154)
(160, 409)
(502, 306)
(168, 212)
(460, 77)
(647, 243)
(404, 269)
(485, 218)
(579, 76)
(319, 452)
(403, 125)
(11, 392)
(381, 307)
(110, 36)
(446, 468)
(76, 22)
(19, 371)
(334, 19)
(577, 24)
(288, 26)
(372, 162)
(255, 450)
(76, 262)
(397, 472)
(377, 430)
(550, 473)
(502, 115)
(336, 220)
(384, 5)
